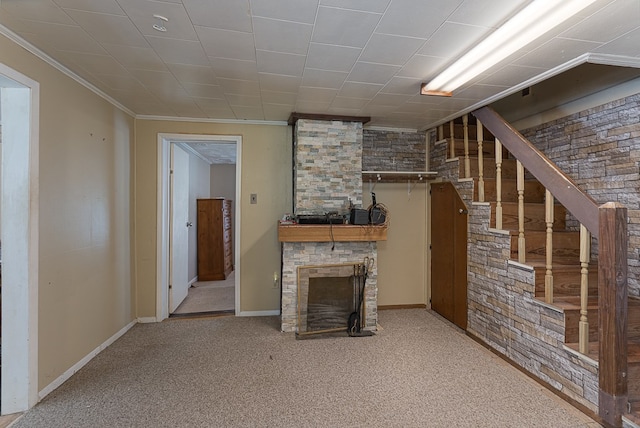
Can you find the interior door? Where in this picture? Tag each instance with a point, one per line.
(179, 218)
(448, 254)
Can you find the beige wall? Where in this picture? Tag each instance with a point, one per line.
(85, 275)
(266, 170)
(401, 258)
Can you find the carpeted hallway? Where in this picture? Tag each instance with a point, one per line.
(418, 371)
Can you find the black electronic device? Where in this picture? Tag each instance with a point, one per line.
(358, 216)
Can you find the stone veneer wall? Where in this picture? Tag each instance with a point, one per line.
(295, 254)
(328, 162)
(598, 148)
(393, 151)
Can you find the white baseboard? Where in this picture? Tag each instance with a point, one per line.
(193, 281)
(147, 320)
(77, 366)
(259, 313)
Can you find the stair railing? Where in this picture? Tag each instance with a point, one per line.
(479, 137)
(608, 223)
(498, 157)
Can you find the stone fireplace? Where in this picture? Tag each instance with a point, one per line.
(327, 177)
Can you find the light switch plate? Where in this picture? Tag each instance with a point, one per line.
(254, 198)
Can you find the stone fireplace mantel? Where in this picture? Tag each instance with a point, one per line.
(331, 233)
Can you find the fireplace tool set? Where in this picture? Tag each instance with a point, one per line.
(356, 322)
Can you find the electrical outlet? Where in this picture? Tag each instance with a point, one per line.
(254, 198)
(275, 280)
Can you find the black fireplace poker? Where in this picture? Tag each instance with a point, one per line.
(355, 321)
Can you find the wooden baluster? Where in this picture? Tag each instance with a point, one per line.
(480, 163)
(498, 184)
(440, 132)
(548, 218)
(467, 162)
(452, 143)
(585, 256)
(521, 241)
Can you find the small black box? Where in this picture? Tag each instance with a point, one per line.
(359, 216)
(377, 216)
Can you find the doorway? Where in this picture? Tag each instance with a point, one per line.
(190, 143)
(449, 254)
(19, 116)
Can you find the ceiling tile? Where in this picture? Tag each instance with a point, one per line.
(624, 45)
(203, 91)
(344, 27)
(289, 10)
(234, 68)
(421, 66)
(359, 90)
(316, 94)
(250, 113)
(273, 97)
(174, 51)
(390, 99)
(98, 6)
(41, 10)
(452, 40)
(141, 13)
(63, 37)
(416, 18)
(97, 63)
(226, 43)
(240, 87)
(474, 12)
(323, 78)
(244, 100)
(225, 14)
(364, 5)
(310, 106)
(556, 52)
(512, 75)
(387, 49)
(187, 108)
(610, 22)
(208, 104)
(367, 72)
(331, 57)
(481, 91)
(281, 36)
(402, 85)
(343, 102)
(135, 57)
(278, 82)
(120, 82)
(109, 28)
(193, 73)
(280, 63)
(277, 111)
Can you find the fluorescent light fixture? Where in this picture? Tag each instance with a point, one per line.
(527, 25)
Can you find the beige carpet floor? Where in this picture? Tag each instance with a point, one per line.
(418, 371)
(209, 296)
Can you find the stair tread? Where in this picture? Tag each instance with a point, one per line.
(571, 302)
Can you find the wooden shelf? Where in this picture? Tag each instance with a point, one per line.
(398, 176)
(324, 233)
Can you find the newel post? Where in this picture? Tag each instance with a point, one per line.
(612, 311)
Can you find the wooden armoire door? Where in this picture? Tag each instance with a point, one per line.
(448, 254)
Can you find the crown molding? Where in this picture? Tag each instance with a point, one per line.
(63, 69)
(209, 120)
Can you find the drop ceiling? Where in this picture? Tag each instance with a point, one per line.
(261, 60)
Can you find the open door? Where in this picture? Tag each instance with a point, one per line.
(449, 254)
(179, 218)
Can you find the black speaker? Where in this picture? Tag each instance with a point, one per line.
(359, 216)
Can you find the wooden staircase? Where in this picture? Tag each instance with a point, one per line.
(566, 252)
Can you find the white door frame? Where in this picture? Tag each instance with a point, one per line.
(20, 175)
(162, 248)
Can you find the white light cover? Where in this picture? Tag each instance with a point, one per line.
(530, 23)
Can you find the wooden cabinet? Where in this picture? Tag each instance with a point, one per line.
(214, 239)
